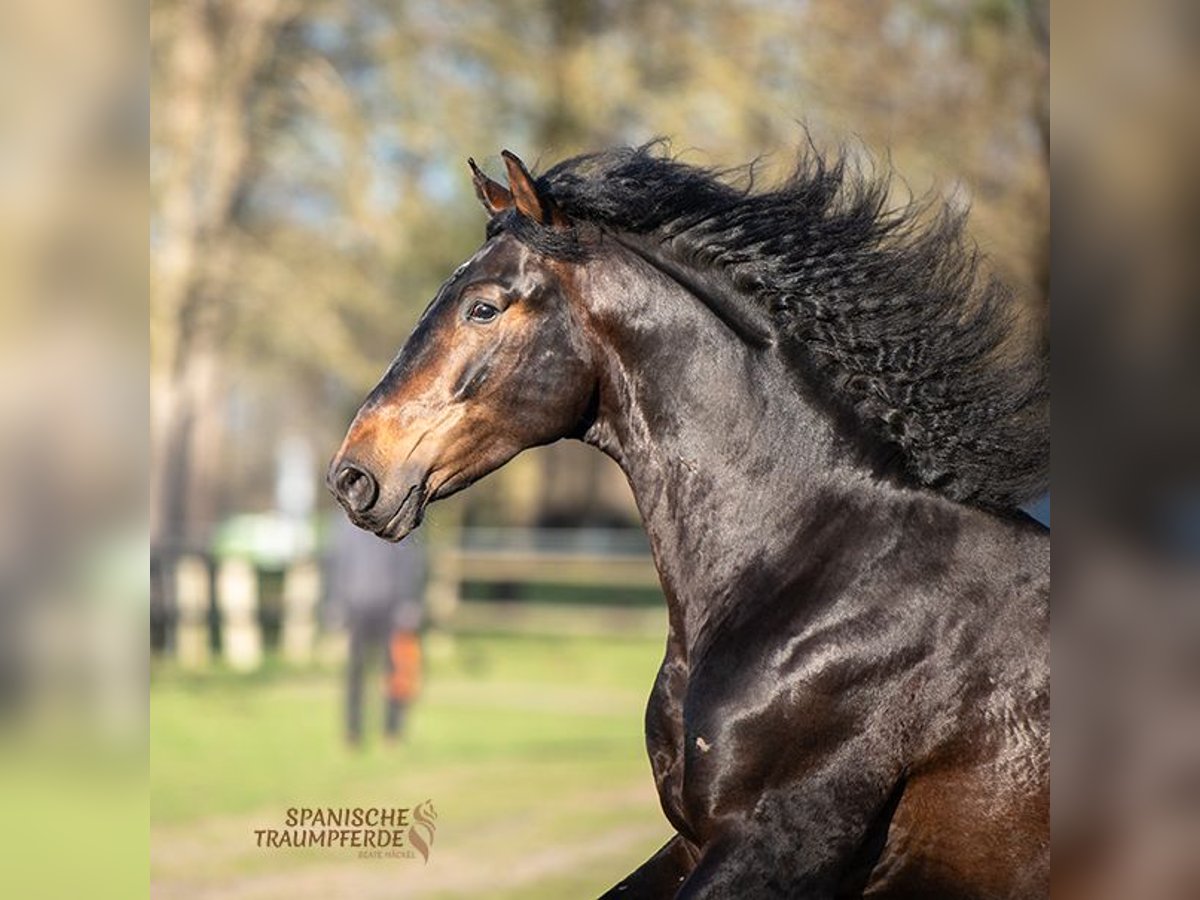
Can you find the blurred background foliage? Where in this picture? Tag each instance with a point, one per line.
(309, 190)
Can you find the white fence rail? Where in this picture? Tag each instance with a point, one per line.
(207, 609)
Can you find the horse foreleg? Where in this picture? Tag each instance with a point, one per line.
(659, 877)
(801, 840)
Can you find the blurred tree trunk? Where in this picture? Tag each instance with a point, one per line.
(559, 126)
(211, 57)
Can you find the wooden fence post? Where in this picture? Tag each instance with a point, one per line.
(192, 588)
(237, 598)
(443, 589)
(301, 593)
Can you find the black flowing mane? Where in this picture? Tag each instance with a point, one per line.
(888, 308)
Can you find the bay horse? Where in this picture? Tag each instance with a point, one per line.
(825, 410)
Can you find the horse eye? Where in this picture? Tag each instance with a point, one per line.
(482, 312)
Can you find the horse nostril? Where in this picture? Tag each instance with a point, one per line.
(355, 487)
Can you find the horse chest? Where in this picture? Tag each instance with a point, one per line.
(704, 769)
(664, 734)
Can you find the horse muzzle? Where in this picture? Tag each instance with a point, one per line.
(391, 510)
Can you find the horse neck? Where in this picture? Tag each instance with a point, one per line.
(724, 453)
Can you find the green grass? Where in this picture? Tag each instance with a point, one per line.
(530, 747)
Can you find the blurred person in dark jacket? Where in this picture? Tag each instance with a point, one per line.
(378, 588)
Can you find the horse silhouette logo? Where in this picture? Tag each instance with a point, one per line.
(423, 828)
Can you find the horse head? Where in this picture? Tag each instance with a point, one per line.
(496, 364)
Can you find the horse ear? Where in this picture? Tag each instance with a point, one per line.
(494, 196)
(526, 197)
